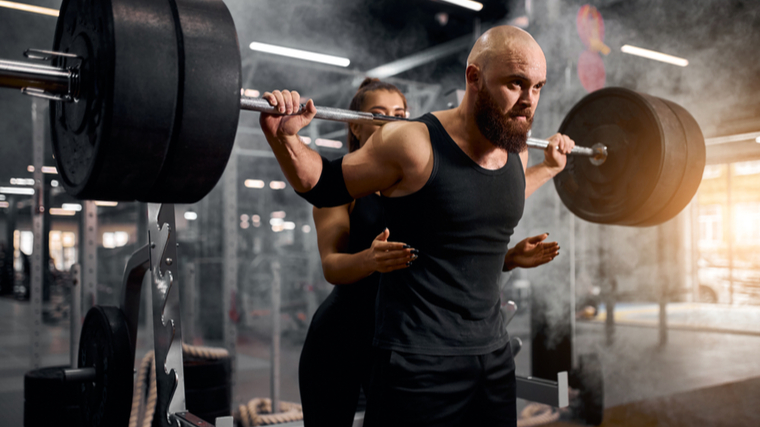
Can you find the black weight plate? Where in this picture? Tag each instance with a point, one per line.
(44, 385)
(52, 413)
(209, 105)
(201, 374)
(104, 344)
(112, 142)
(646, 163)
(694, 160)
(209, 399)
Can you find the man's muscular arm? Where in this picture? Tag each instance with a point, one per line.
(384, 161)
(555, 159)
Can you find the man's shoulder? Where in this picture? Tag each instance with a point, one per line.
(401, 131)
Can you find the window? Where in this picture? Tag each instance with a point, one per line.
(710, 224)
(747, 223)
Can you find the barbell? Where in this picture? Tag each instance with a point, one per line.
(147, 109)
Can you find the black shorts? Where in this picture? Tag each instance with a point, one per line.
(421, 390)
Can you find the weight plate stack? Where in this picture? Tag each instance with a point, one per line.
(655, 161)
(50, 400)
(104, 344)
(208, 108)
(208, 387)
(112, 142)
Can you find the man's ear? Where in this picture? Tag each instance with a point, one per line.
(473, 76)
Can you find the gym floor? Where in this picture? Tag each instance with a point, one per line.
(699, 377)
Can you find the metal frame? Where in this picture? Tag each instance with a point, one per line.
(38, 230)
(544, 391)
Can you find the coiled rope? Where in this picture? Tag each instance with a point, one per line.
(258, 412)
(146, 393)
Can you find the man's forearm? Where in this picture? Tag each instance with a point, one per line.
(538, 175)
(301, 165)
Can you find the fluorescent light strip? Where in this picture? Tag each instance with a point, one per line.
(733, 138)
(651, 54)
(105, 203)
(29, 8)
(300, 54)
(254, 183)
(467, 4)
(328, 143)
(16, 190)
(45, 169)
(61, 212)
(4, 204)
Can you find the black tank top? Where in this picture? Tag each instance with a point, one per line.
(366, 222)
(447, 302)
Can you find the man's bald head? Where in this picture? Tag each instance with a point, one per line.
(504, 44)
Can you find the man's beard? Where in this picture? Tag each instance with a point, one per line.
(503, 131)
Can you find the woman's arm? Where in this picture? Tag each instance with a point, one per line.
(340, 268)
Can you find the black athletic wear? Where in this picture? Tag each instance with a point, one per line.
(419, 390)
(336, 357)
(447, 302)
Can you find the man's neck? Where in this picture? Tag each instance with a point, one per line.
(461, 126)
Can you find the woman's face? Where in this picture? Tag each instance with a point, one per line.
(379, 102)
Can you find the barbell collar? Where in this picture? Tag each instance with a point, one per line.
(80, 374)
(50, 82)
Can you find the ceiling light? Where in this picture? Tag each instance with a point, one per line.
(105, 203)
(251, 93)
(467, 4)
(657, 56)
(191, 216)
(277, 214)
(254, 183)
(277, 185)
(328, 143)
(16, 190)
(61, 212)
(305, 139)
(306, 229)
(29, 8)
(289, 225)
(49, 169)
(4, 204)
(757, 139)
(72, 206)
(276, 221)
(300, 54)
(22, 181)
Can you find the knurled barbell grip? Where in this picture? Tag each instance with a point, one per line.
(597, 153)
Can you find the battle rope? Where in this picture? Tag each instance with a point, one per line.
(258, 412)
(144, 398)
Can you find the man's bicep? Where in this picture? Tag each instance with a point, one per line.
(374, 167)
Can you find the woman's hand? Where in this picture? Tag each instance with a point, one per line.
(531, 252)
(385, 256)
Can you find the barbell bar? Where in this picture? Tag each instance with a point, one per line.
(597, 153)
(61, 84)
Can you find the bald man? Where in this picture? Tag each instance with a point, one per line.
(454, 184)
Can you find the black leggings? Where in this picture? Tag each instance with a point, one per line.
(335, 361)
